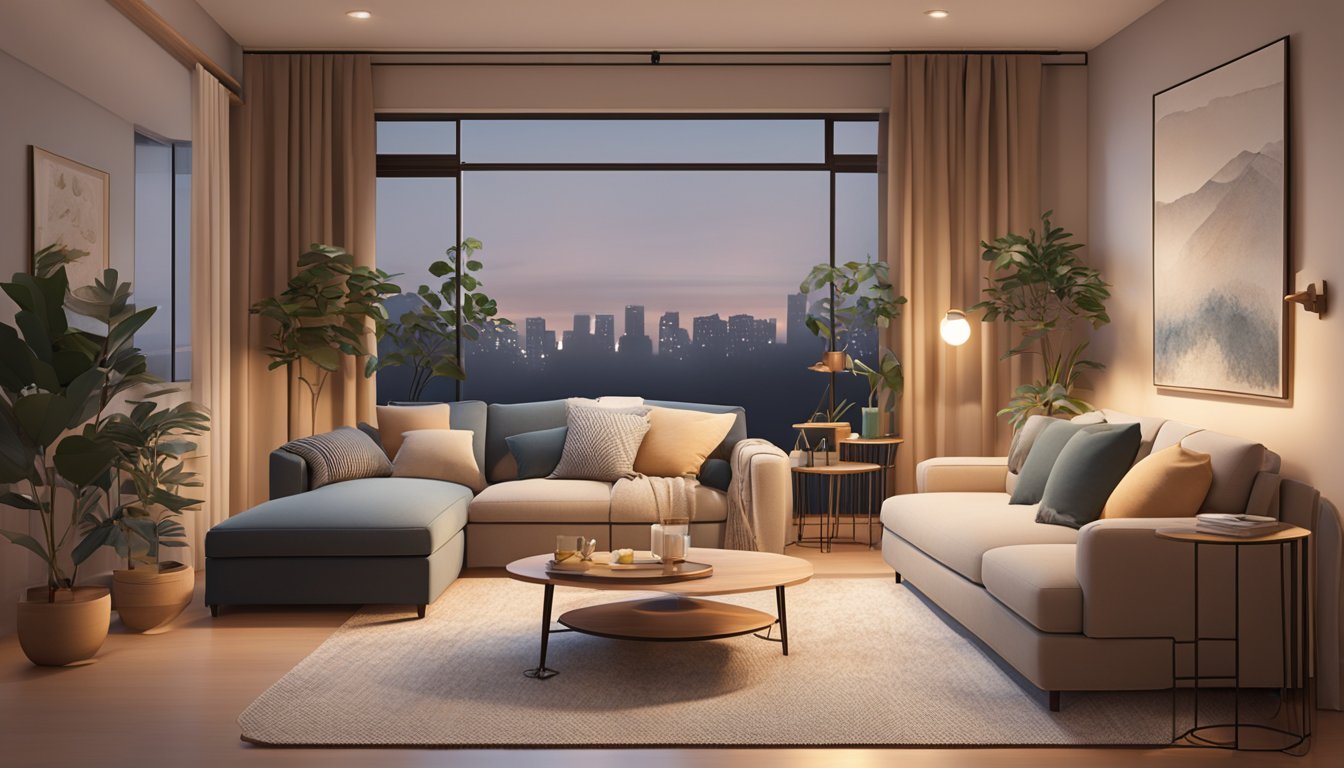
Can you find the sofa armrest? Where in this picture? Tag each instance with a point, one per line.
(1136, 584)
(767, 473)
(962, 473)
(289, 473)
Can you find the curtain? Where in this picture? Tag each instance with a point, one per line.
(962, 165)
(210, 383)
(304, 173)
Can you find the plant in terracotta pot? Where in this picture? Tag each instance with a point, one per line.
(424, 339)
(55, 383)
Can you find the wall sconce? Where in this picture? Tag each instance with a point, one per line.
(1309, 299)
(955, 328)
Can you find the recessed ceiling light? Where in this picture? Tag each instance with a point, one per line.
(359, 15)
(937, 13)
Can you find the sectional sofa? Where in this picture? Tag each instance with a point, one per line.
(401, 540)
(1096, 608)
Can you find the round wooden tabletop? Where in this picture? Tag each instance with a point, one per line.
(839, 468)
(734, 571)
(855, 440)
(1286, 533)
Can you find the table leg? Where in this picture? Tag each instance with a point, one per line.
(542, 672)
(783, 620)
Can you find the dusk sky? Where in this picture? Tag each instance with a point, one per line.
(698, 242)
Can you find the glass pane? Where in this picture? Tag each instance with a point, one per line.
(856, 240)
(152, 280)
(416, 137)
(855, 138)
(670, 285)
(416, 223)
(182, 261)
(643, 141)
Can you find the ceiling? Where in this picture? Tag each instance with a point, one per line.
(673, 24)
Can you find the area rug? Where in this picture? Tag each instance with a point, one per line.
(870, 663)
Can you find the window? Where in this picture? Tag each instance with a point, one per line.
(655, 256)
(163, 254)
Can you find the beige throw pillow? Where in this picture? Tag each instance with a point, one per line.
(439, 454)
(393, 420)
(1170, 483)
(679, 441)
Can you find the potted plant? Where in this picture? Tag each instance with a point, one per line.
(1043, 287)
(424, 339)
(324, 314)
(886, 382)
(54, 386)
(858, 293)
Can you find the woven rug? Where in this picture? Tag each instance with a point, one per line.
(871, 663)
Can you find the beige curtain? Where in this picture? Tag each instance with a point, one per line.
(304, 173)
(210, 383)
(963, 146)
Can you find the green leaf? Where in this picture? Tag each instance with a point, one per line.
(80, 459)
(27, 542)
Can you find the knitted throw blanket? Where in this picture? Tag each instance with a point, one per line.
(742, 525)
(653, 498)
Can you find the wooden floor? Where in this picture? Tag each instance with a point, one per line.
(172, 699)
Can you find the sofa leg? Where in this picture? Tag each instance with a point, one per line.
(1054, 701)
(214, 611)
(420, 611)
(898, 577)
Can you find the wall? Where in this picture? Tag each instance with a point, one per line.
(1176, 40)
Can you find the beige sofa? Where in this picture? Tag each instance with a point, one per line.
(1096, 608)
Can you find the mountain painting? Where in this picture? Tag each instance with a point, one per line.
(1219, 217)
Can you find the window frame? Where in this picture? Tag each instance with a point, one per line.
(176, 207)
(452, 166)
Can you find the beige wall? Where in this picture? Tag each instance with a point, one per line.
(1178, 39)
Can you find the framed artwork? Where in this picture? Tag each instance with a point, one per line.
(1220, 215)
(70, 202)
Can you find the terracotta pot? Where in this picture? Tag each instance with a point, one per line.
(150, 598)
(71, 629)
(835, 361)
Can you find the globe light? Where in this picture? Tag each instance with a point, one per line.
(955, 328)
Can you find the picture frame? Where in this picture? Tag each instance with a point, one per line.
(1220, 228)
(70, 206)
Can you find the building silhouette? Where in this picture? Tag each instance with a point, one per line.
(635, 341)
(604, 333)
(710, 335)
(534, 338)
(795, 329)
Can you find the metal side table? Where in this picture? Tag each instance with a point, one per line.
(828, 518)
(1297, 703)
(872, 490)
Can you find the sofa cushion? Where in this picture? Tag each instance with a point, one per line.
(716, 473)
(536, 453)
(1170, 483)
(505, 419)
(1087, 470)
(1235, 463)
(343, 454)
(1148, 429)
(542, 500)
(711, 506)
(384, 516)
(1044, 451)
(1023, 440)
(679, 441)
(439, 454)
(393, 420)
(735, 435)
(956, 529)
(1039, 582)
(601, 443)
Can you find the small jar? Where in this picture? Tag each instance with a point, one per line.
(676, 539)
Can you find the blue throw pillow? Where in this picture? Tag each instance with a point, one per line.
(1092, 463)
(537, 453)
(716, 473)
(1041, 459)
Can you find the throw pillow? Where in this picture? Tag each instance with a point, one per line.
(601, 443)
(537, 453)
(1091, 465)
(1023, 440)
(342, 454)
(393, 420)
(1036, 469)
(1170, 483)
(716, 473)
(679, 441)
(439, 454)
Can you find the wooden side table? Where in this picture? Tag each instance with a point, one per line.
(873, 490)
(829, 517)
(1296, 617)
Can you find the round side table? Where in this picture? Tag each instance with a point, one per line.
(833, 476)
(1295, 616)
(874, 489)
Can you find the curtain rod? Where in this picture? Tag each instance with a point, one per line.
(655, 56)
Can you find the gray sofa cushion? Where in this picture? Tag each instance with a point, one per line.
(1040, 460)
(1086, 472)
(537, 453)
(387, 516)
(507, 419)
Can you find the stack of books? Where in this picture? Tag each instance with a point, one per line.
(1243, 526)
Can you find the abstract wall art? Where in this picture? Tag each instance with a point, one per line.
(1220, 211)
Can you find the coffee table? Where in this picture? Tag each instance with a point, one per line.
(680, 614)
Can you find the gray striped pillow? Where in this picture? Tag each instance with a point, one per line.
(344, 453)
(601, 443)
